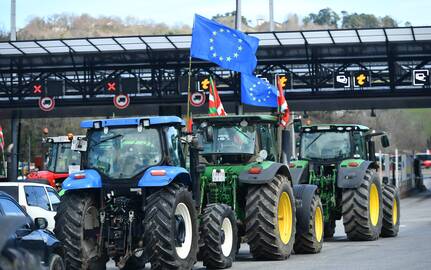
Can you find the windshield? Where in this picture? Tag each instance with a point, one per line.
(231, 140)
(325, 145)
(123, 152)
(61, 156)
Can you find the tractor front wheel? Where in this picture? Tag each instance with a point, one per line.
(311, 240)
(391, 211)
(271, 219)
(362, 209)
(219, 235)
(171, 228)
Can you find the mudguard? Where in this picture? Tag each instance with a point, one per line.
(299, 171)
(303, 197)
(265, 176)
(352, 177)
(92, 179)
(178, 173)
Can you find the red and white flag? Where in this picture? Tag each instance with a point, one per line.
(215, 106)
(1, 139)
(283, 108)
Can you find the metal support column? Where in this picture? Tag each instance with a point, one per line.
(13, 166)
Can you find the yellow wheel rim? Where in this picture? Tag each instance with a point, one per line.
(285, 218)
(374, 205)
(395, 213)
(318, 224)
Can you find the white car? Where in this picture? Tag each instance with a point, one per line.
(38, 200)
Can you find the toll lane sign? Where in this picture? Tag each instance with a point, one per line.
(342, 79)
(421, 76)
(362, 79)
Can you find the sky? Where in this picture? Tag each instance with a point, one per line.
(174, 12)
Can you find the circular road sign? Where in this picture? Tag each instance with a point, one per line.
(197, 99)
(46, 104)
(121, 101)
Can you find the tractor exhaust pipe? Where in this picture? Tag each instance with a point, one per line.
(286, 146)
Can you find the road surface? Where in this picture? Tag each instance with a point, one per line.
(410, 250)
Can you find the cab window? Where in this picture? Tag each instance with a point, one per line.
(268, 142)
(358, 145)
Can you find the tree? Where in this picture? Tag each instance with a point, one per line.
(324, 17)
(363, 20)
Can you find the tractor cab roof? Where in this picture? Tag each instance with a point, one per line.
(236, 119)
(133, 121)
(334, 127)
(62, 139)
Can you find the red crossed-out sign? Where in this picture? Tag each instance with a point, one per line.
(112, 86)
(37, 89)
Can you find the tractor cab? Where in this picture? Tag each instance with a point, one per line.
(325, 144)
(60, 160)
(238, 139)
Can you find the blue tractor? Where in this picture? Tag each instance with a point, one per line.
(134, 201)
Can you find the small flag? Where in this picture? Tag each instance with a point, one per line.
(258, 92)
(283, 108)
(1, 139)
(224, 46)
(215, 106)
(189, 124)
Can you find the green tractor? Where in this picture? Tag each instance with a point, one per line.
(247, 193)
(341, 161)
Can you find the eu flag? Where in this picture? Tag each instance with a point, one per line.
(228, 48)
(258, 92)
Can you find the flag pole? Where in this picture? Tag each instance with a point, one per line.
(189, 93)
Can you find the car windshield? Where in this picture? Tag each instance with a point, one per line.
(325, 145)
(423, 157)
(231, 140)
(122, 153)
(61, 157)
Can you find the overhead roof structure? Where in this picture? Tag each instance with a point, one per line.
(168, 42)
(153, 71)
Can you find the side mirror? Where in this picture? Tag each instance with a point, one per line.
(79, 145)
(297, 125)
(41, 223)
(209, 133)
(9, 149)
(385, 141)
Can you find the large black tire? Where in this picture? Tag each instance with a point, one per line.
(219, 234)
(362, 215)
(262, 222)
(171, 228)
(311, 241)
(19, 259)
(78, 214)
(329, 228)
(56, 262)
(391, 211)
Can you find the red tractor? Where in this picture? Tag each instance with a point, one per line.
(59, 162)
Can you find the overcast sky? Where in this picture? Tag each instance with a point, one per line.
(181, 11)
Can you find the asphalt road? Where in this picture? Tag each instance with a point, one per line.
(410, 250)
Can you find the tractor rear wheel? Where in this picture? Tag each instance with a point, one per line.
(362, 209)
(219, 235)
(311, 241)
(171, 228)
(271, 219)
(77, 226)
(391, 211)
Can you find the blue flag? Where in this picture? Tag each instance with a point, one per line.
(228, 48)
(258, 92)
